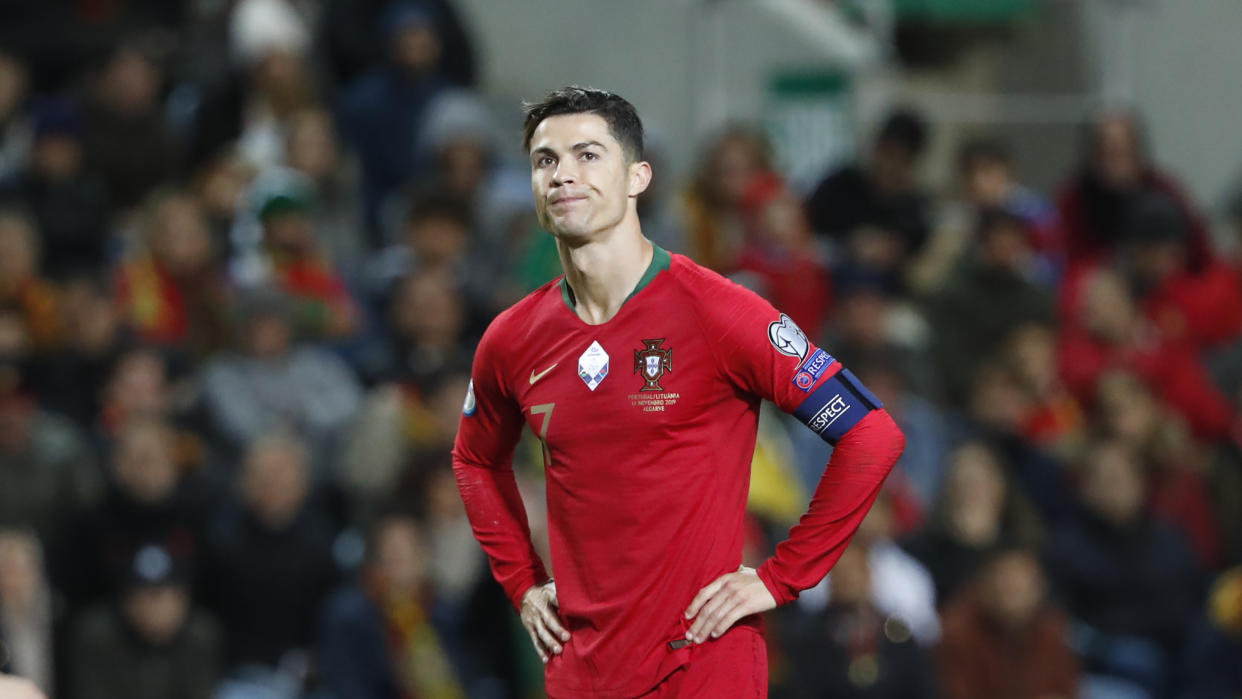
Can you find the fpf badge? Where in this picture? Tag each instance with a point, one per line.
(652, 363)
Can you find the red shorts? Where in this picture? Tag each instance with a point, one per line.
(733, 666)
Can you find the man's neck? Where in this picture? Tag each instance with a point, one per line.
(603, 273)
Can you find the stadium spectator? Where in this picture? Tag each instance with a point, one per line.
(436, 235)
(383, 111)
(288, 255)
(467, 166)
(69, 204)
(313, 150)
(22, 289)
(1177, 490)
(427, 317)
(986, 297)
(269, 560)
(987, 180)
(1053, 420)
(400, 427)
(171, 290)
(1211, 669)
(27, 615)
(271, 382)
(876, 212)
(15, 133)
(270, 40)
(346, 38)
(999, 408)
(1001, 638)
(126, 140)
(220, 186)
(977, 511)
(47, 470)
(1108, 330)
(377, 637)
(874, 320)
(781, 255)
(1115, 167)
(728, 163)
(1129, 579)
(1203, 307)
(851, 649)
(151, 642)
(70, 380)
(148, 502)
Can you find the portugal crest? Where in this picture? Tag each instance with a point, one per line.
(652, 362)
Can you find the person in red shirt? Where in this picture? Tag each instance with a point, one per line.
(642, 375)
(782, 255)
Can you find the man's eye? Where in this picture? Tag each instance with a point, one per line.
(545, 161)
(589, 156)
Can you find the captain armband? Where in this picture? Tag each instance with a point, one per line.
(836, 406)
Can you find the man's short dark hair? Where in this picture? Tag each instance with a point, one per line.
(622, 118)
(906, 128)
(982, 151)
(437, 205)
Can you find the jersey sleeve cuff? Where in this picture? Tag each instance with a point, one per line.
(517, 590)
(779, 591)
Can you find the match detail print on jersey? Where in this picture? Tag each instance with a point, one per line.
(593, 365)
(787, 337)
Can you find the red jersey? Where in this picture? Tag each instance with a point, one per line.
(648, 423)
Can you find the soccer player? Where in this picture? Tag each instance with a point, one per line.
(642, 375)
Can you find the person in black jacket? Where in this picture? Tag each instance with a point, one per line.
(1129, 578)
(850, 650)
(269, 559)
(877, 211)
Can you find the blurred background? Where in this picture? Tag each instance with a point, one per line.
(247, 246)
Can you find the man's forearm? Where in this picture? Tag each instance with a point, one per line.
(498, 519)
(849, 486)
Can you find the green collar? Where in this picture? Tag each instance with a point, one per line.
(660, 260)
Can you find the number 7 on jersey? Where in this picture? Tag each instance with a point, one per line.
(544, 409)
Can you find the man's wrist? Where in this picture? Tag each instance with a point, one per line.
(779, 592)
(534, 586)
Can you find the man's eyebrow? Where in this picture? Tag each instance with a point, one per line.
(545, 150)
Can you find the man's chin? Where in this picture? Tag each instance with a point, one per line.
(570, 233)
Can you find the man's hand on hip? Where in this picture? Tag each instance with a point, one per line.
(542, 623)
(725, 600)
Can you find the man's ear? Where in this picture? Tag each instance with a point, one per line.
(640, 177)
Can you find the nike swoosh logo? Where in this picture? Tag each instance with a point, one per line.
(535, 377)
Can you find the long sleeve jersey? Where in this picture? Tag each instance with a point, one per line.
(648, 424)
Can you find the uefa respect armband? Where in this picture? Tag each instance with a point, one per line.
(836, 406)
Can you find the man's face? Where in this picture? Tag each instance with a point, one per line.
(1013, 589)
(157, 612)
(1118, 157)
(581, 177)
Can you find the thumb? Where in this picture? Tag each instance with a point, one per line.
(551, 596)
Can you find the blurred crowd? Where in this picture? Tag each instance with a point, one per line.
(247, 246)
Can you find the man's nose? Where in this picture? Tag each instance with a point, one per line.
(566, 172)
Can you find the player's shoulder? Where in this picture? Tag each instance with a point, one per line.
(711, 293)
